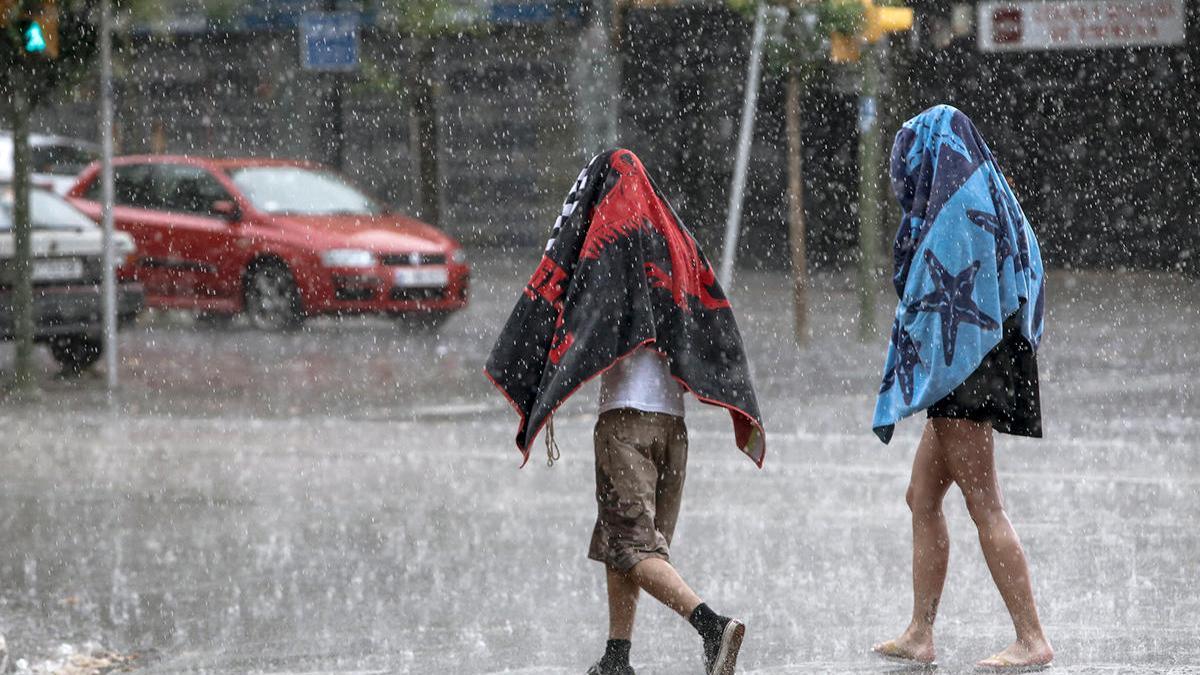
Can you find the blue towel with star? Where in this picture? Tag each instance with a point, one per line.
(966, 261)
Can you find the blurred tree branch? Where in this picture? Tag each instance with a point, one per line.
(422, 24)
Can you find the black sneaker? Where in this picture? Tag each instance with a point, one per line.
(720, 654)
(600, 668)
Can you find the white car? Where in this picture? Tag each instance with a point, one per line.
(67, 247)
(57, 160)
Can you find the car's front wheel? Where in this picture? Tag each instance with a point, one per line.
(76, 353)
(272, 299)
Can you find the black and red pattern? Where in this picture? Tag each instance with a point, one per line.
(621, 271)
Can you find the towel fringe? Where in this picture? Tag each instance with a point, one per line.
(552, 452)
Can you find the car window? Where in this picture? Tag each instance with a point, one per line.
(66, 160)
(46, 209)
(301, 191)
(133, 185)
(189, 189)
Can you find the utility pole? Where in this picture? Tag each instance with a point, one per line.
(24, 382)
(111, 360)
(737, 189)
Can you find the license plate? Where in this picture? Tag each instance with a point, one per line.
(423, 277)
(64, 269)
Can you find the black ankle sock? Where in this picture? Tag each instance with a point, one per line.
(616, 653)
(707, 623)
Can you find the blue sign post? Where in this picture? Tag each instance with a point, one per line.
(329, 41)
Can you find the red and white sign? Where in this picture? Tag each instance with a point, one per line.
(1079, 24)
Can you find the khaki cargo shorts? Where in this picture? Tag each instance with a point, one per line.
(641, 460)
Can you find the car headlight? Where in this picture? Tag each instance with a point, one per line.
(458, 256)
(347, 257)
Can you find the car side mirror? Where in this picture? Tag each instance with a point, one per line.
(227, 209)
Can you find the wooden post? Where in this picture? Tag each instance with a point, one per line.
(868, 191)
(337, 82)
(795, 194)
(423, 129)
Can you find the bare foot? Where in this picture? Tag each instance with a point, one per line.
(907, 648)
(1020, 657)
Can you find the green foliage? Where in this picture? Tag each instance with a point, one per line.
(841, 16)
(420, 23)
(429, 19)
(794, 42)
(376, 78)
(745, 7)
(222, 10)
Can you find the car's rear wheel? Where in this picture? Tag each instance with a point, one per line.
(76, 353)
(272, 299)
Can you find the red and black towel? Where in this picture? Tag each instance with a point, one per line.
(621, 271)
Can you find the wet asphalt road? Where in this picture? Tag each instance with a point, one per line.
(347, 499)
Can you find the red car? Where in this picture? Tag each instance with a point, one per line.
(279, 240)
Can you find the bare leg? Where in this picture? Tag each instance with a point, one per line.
(931, 550)
(658, 578)
(969, 455)
(622, 605)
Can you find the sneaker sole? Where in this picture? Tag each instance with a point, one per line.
(731, 643)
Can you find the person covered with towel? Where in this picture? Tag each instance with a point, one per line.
(624, 292)
(963, 348)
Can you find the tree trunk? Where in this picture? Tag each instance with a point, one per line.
(21, 233)
(337, 136)
(795, 194)
(869, 163)
(423, 131)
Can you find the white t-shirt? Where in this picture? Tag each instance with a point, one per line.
(641, 381)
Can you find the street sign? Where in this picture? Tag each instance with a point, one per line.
(329, 41)
(1079, 24)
